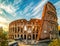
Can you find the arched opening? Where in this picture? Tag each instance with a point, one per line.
(33, 36)
(24, 36)
(21, 36)
(29, 37)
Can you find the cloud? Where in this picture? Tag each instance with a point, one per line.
(1, 11)
(4, 23)
(57, 5)
(26, 12)
(10, 9)
(39, 6)
(36, 12)
(3, 20)
(29, 11)
(59, 20)
(17, 1)
(28, 8)
(38, 15)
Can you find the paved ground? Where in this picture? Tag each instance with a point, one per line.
(22, 44)
(41, 44)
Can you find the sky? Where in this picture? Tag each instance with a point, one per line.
(11, 10)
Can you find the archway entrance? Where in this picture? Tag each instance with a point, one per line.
(29, 37)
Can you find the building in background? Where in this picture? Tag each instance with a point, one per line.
(36, 29)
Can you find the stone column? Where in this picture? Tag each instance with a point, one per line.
(23, 35)
(31, 37)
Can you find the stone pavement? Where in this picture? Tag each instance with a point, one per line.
(40, 44)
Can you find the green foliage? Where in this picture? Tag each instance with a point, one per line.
(55, 42)
(3, 39)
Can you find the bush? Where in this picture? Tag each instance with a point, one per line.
(55, 42)
(3, 40)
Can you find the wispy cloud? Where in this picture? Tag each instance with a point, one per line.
(37, 11)
(57, 5)
(40, 5)
(4, 23)
(29, 11)
(59, 20)
(3, 20)
(17, 1)
(10, 9)
(1, 12)
(26, 9)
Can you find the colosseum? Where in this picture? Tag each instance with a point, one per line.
(36, 29)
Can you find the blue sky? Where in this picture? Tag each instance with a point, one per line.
(12, 10)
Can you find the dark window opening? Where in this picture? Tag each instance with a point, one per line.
(18, 29)
(15, 30)
(15, 36)
(21, 29)
(29, 37)
(36, 35)
(37, 31)
(33, 36)
(24, 36)
(18, 35)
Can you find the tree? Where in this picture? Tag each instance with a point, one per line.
(3, 39)
(55, 42)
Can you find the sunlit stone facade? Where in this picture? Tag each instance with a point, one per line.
(24, 29)
(36, 29)
(49, 25)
